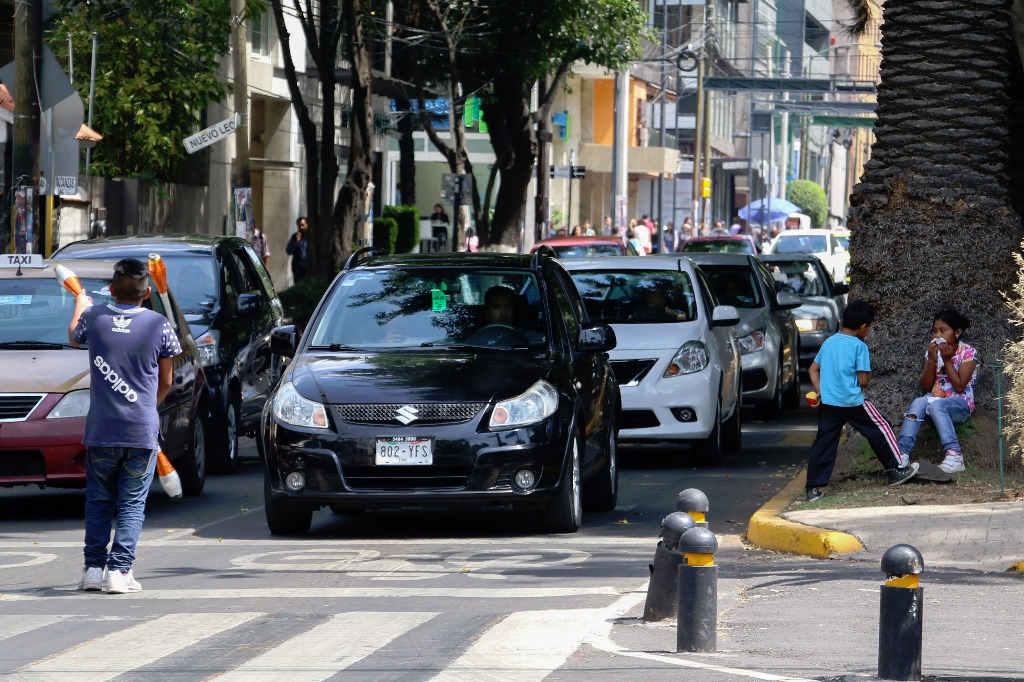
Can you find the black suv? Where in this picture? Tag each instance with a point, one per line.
(230, 305)
(444, 380)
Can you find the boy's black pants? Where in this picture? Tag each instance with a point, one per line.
(868, 421)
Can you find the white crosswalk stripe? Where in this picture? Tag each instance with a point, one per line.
(327, 648)
(525, 645)
(111, 655)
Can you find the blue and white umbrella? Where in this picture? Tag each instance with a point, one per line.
(768, 210)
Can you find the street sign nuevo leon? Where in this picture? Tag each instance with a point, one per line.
(215, 133)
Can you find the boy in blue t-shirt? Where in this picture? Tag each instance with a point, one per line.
(840, 370)
(131, 351)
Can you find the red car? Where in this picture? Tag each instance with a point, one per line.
(587, 247)
(723, 243)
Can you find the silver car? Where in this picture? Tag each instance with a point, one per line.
(769, 342)
(676, 357)
(821, 313)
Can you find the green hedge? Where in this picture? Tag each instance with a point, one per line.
(408, 220)
(385, 234)
(811, 199)
(299, 301)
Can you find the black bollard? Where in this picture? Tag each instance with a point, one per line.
(661, 590)
(900, 622)
(697, 611)
(694, 503)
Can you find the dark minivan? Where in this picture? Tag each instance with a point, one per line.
(230, 305)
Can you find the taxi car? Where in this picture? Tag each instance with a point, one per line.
(44, 397)
(403, 392)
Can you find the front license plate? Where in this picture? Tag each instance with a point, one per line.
(404, 451)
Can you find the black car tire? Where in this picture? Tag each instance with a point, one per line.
(224, 448)
(280, 519)
(192, 467)
(708, 451)
(601, 493)
(732, 432)
(564, 513)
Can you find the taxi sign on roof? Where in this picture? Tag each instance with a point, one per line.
(22, 260)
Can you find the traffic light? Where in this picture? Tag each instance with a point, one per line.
(705, 188)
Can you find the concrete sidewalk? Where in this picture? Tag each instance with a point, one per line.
(985, 537)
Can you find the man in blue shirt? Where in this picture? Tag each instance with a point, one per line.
(131, 351)
(840, 370)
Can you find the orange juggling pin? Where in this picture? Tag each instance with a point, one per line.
(158, 271)
(68, 280)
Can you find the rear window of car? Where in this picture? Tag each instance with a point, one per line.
(424, 307)
(588, 251)
(39, 310)
(801, 244)
(637, 296)
(734, 285)
(798, 277)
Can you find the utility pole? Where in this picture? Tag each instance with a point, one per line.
(709, 15)
(659, 219)
(27, 72)
(784, 142)
(240, 95)
(698, 131)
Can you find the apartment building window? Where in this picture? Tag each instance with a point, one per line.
(259, 35)
(722, 115)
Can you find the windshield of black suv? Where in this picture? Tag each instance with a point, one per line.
(38, 310)
(798, 277)
(194, 282)
(431, 307)
(734, 285)
(637, 296)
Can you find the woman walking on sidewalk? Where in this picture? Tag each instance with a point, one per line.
(948, 376)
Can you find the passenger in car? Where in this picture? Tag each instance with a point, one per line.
(657, 307)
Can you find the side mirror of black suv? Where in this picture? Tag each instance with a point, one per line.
(596, 338)
(283, 341)
(249, 304)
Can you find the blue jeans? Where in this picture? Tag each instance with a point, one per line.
(115, 479)
(945, 414)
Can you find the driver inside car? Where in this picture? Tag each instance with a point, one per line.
(501, 311)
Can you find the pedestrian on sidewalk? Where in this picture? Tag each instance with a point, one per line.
(131, 351)
(298, 248)
(948, 376)
(841, 369)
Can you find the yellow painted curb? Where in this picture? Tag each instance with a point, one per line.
(768, 530)
(1017, 567)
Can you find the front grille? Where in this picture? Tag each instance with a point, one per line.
(406, 477)
(426, 413)
(22, 464)
(16, 407)
(631, 372)
(638, 419)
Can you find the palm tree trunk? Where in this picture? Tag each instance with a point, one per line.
(934, 221)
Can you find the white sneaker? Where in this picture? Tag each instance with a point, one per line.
(120, 583)
(92, 578)
(953, 463)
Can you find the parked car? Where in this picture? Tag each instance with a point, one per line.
(44, 395)
(677, 358)
(403, 393)
(821, 313)
(769, 342)
(720, 244)
(587, 247)
(820, 243)
(230, 304)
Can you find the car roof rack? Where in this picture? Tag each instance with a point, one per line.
(358, 258)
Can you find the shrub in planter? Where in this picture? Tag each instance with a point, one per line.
(385, 233)
(408, 220)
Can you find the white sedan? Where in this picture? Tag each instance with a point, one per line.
(677, 358)
(820, 243)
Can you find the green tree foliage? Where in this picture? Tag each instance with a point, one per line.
(156, 74)
(408, 220)
(811, 199)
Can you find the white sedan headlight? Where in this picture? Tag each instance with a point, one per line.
(73, 404)
(752, 342)
(539, 402)
(812, 324)
(692, 357)
(292, 408)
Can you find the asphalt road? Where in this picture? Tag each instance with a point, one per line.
(423, 595)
